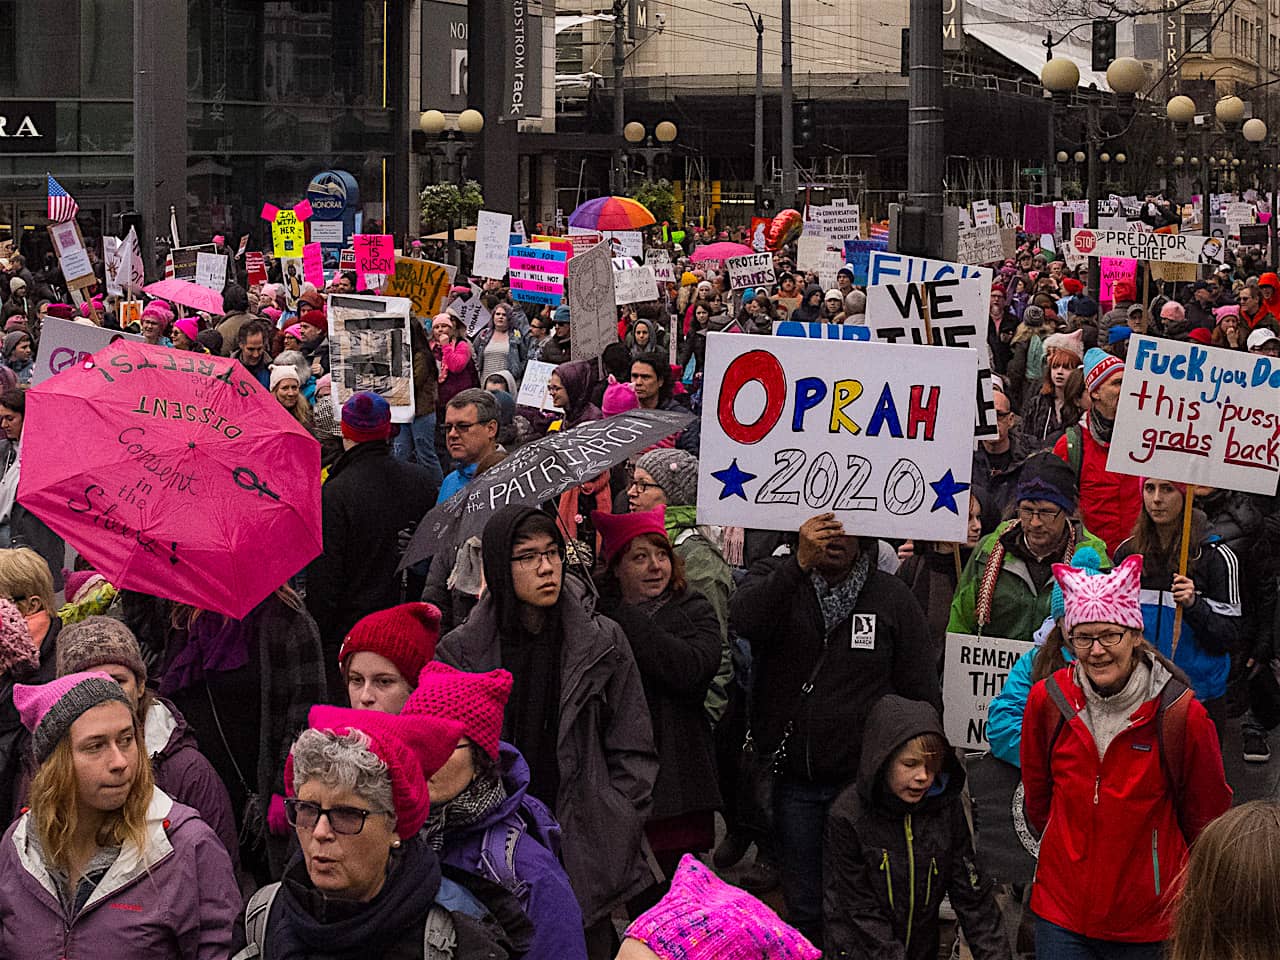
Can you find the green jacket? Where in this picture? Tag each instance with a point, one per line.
(708, 574)
(1017, 608)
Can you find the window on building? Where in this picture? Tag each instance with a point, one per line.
(1199, 29)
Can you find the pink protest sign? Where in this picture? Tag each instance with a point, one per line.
(1039, 218)
(313, 265)
(375, 254)
(1111, 270)
(539, 266)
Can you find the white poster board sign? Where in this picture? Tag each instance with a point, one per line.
(840, 221)
(663, 270)
(1007, 217)
(64, 343)
(750, 270)
(974, 672)
(1202, 415)
(1143, 245)
(593, 311)
(979, 244)
(211, 270)
(493, 235)
(369, 350)
(634, 285)
(880, 435)
(885, 267)
(533, 388)
(895, 314)
(73, 258)
(983, 214)
(627, 243)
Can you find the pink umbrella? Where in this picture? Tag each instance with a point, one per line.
(186, 293)
(720, 251)
(174, 474)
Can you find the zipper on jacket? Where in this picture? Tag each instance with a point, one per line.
(928, 887)
(1097, 783)
(888, 876)
(911, 881)
(1155, 858)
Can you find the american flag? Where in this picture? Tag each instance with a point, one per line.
(62, 206)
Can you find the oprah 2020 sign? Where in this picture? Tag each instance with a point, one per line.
(879, 434)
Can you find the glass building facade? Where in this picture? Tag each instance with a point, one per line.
(276, 92)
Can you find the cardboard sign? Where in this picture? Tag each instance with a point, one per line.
(291, 278)
(64, 343)
(288, 234)
(750, 270)
(186, 260)
(255, 265)
(313, 265)
(375, 259)
(974, 672)
(493, 233)
(533, 388)
(211, 271)
(1141, 245)
(880, 435)
(895, 314)
(592, 307)
(369, 350)
(979, 244)
(475, 316)
(73, 258)
(580, 243)
(537, 275)
(1200, 415)
(663, 269)
(635, 285)
(1256, 235)
(423, 282)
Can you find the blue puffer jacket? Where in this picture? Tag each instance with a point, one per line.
(529, 870)
(1210, 628)
(1004, 715)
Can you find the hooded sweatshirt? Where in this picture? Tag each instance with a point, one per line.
(805, 312)
(1270, 305)
(889, 863)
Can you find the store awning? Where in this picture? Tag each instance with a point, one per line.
(1025, 47)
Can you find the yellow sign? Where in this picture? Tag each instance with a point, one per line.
(288, 234)
(422, 281)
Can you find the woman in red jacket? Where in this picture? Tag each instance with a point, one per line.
(1122, 770)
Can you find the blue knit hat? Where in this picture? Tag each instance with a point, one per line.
(366, 417)
(1085, 558)
(1098, 366)
(561, 314)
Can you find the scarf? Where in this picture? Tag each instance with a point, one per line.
(838, 600)
(1100, 428)
(995, 564)
(216, 644)
(309, 923)
(477, 800)
(651, 607)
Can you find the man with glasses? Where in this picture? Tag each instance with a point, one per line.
(577, 710)
(368, 499)
(994, 465)
(1007, 587)
(471, 436)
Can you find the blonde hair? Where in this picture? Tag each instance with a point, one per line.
(55, 809)
(1228, 907)
(24, 574)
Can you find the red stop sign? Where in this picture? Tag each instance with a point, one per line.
(1085, 241)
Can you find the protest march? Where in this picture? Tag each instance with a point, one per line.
(598, 591)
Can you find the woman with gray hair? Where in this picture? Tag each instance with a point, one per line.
(365, 884)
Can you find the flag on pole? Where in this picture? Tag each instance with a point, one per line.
(62, 206)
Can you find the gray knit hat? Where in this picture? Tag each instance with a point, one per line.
(97, 641)
(49, 709)
(675, 471)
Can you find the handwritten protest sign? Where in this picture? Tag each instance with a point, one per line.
(634, 285)
(974, 673)
(64, 343)
(979, 244)
(537, 275)
(1201, 415)
(493, 235)
(879, 434)
(533, 388)
(313, 265)
(1144, 245)
(1008, 219)
(663, 270)
(627, 243)
(1040, 218)
(424, 283)
(896, 312)
(288, 234)
(592, 307)
(839, 221)
(750, 270)
(1112, 270)
(211, 270)
(369, 350)
(375, 259)
(885, 267)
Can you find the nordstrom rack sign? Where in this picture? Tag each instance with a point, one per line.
(27, 126)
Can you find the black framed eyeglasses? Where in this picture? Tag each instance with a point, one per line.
(345, 820)
(1083, 643)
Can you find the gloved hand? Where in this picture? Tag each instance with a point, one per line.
(277, 819)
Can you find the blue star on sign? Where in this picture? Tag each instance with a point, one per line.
(945, 491)
(734, 479)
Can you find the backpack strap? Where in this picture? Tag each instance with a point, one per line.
(1075, 449)
(1065, 713)
(256, 915)
(1171, 740)
(439, 936)
(498, 856)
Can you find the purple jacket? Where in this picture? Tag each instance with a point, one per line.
(541, 884)
(176, 900)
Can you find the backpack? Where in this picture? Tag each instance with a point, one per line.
(498, 846)
(1171, 734)
(1075, 449)
(439, 936)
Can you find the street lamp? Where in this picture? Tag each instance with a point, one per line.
(454, 147)
(1229, 110)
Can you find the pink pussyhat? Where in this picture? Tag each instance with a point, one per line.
(1114, 597)
(49, 709)
(704, 918)
(618, 398)
(619, 529)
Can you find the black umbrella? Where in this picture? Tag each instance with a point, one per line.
(539, 471)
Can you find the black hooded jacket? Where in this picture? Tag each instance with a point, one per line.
(888, 863)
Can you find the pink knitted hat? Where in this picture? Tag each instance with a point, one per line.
(19, 654)
(476, 700)
(618, 529)
(188, 326)
(618, 398)
(704, 918)
(1114, 597)
(413, 748)
(49, 710)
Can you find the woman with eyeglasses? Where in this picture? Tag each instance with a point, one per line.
(365, 884)
(1121, 771)
(1209, 594)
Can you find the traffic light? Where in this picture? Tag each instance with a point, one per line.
(804, 128)
(1104, 44)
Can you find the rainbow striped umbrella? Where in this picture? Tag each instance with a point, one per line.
(611, 213)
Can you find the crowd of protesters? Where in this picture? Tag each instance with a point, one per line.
(600, 728)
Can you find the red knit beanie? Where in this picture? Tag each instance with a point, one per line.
(406, 635)
(476, 700)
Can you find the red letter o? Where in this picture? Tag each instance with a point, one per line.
(764, 368)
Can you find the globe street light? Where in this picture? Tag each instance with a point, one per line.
(1230, 110)
(1181, 109)
(1060, 76)
(1126, 76)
